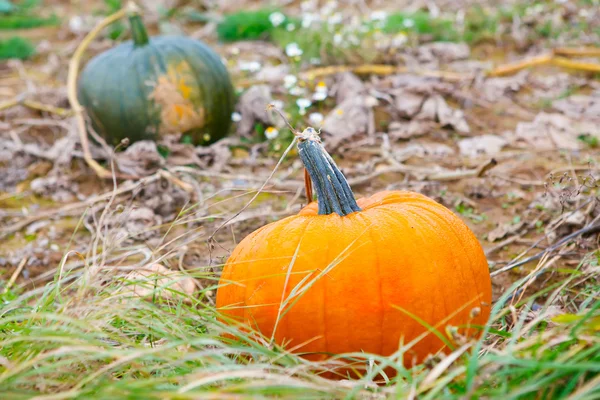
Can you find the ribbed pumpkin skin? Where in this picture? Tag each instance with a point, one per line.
(403, 249)
(172, 84)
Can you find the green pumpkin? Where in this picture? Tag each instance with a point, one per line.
(149, 87)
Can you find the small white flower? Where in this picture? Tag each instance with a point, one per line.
(308, 19)
(378, 16)
(320, 92)
(399, 40)
(278, 104)
(337, 39)
(236, 117)
(290, 27)
(251, 66)
(303, 103)
(308, 5)
(321, 87)
(408, 23)
(297, 91)
(353, 39)
(335, 19)
(271, 133)
(277, 18)
(319, 96)
(292, 50)
(315, 118)
(289, 81)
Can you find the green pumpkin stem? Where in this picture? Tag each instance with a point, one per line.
(333, 191)
(138, 30)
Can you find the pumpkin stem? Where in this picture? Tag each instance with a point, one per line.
(138, 31)
(333, 191)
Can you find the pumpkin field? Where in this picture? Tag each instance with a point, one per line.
(299, 199)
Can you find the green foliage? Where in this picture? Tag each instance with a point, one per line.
(589, 140)
(79, 339)
(480, 24)
(16, 47)
(247, 25)
(421, 23)
(18, 21)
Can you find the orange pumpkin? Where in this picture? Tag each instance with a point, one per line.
(346, 277)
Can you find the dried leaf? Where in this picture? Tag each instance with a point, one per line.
(252, 106)
(408, 104)
(492, 89)
(553, 131)
(503, 230)
(423, 150)
(482, 145)
(435, 108)
(352, 117)
(443, 51)
(410, 129)
(347, 85)
(578, 106)
(140, 159)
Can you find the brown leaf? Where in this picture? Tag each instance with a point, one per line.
(140, 159)
(504, 229)
(552, 131)
(410, 129)
(443, 51)
(482, 145)
(352, 117)
(578, 106)
(435, 108)
(347, 85)
(252, 106)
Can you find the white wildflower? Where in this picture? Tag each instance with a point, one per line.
(335, 19)
(315, 118)
(320, 92)
(236, 117)
(308, 19)
(251, 66)
(271, 133)
(378, 16)
(297, 91)
(290, 27)
(408, 23)
(303, 104)
(276, 18)
(289, 81)
(293, 50)
(337, 39)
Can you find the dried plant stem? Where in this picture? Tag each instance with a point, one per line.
(35, 105)
(72, 88)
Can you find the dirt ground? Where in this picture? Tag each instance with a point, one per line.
(515, 156)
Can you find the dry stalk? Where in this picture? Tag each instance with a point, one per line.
(72, 85)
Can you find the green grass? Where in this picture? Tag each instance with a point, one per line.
(422, 24)
(248, 25)
(16, 47)
(80, 337)
(27, 21)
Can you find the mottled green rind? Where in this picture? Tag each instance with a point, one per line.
(115, 87)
